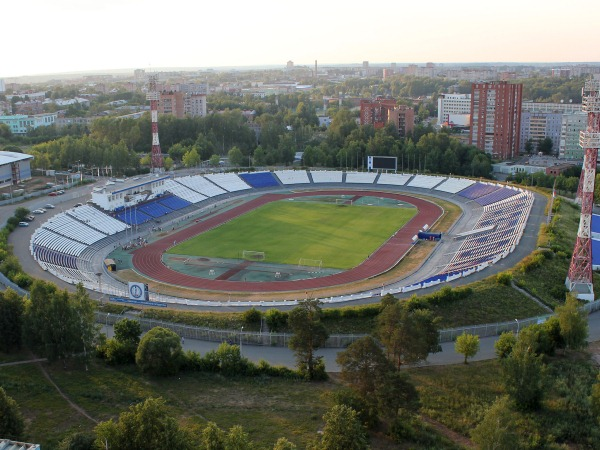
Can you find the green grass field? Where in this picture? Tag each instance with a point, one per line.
(340, 236)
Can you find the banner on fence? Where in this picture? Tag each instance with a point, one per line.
(137, 302)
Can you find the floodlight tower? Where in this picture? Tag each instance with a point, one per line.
(152, 95)
(579, 279)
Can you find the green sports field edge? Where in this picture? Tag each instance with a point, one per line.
(340, 236)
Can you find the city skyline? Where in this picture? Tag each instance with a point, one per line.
(81, 36)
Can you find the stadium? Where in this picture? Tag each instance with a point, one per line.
(279, 236)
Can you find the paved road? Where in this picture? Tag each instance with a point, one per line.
(284, 356)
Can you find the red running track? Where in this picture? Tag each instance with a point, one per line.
(148, 260)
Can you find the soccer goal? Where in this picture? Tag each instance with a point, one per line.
(315, 264)
(252, 255)
(343, 201)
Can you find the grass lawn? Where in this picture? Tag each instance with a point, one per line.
(267, 408)
(340, 236)
(490, 302)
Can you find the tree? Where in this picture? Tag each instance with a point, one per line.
(363, 366)
(396, 392)
(12, 424)
(59, 324)
(159, 352)
(467, 344)
(191, 158)
(523, 375)
(529, 146)
(145, 425)
(342, 430)
(235, 156)
(573, 323)
(12, 309)
(122, 348)
(545, 146)
(215, 160)
(213, 438)
(309, 334)
(504, 345)
(237, 439)
(409, 335)
(497, 430)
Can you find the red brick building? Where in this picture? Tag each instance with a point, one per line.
(380, 111)
(496, 118)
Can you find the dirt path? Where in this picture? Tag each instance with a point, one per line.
(448, 433)
(77, 408)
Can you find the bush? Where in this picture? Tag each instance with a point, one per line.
(276, 319)
(159, 352)
(252, 316)
(504, 278)
(23, 280)
(532, 262)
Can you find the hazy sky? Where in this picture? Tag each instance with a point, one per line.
(44, 36)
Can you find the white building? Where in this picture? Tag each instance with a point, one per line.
(14, 168)
(455, 108)
(119, 194)
(2, 86)
(571, 125)
(563, 108)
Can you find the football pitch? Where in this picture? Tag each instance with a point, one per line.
(338, 235)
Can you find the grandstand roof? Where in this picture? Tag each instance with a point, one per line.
(11, 157)
(133, 183)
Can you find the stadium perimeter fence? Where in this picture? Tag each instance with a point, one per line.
(334, 341)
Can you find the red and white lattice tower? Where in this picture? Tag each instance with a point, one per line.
(153, 96)
(579, 279)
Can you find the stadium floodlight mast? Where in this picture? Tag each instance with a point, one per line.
(579, 280)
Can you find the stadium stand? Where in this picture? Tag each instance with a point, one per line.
(260, 179)
(132, 216)
(228, 181)
(327, 176)
(496, 196)
(454, 185)
(425, 181)
(173, 202)
(183, 192)
(361, 177)
(478, 190)
(509, 217)
(154, 209)
(97, 219)
(67, 226)
(292, 176)
(201, 185)
(399, 179)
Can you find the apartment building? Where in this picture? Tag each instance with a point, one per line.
(571, 125)
(496, 118)
(454, 109)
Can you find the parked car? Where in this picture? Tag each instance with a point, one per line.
(23, 224)
(78, 204)
(52, 194)
(29, 218)
(39, 211)
(61, 192)
(49, 206)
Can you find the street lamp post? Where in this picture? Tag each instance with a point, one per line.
(241, 331)
(106, 323)
(517, 320)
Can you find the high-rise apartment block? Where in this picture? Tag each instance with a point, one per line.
(454, 110)
(571, 126)
(183, 102)
(536, 126)
(496, 118)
